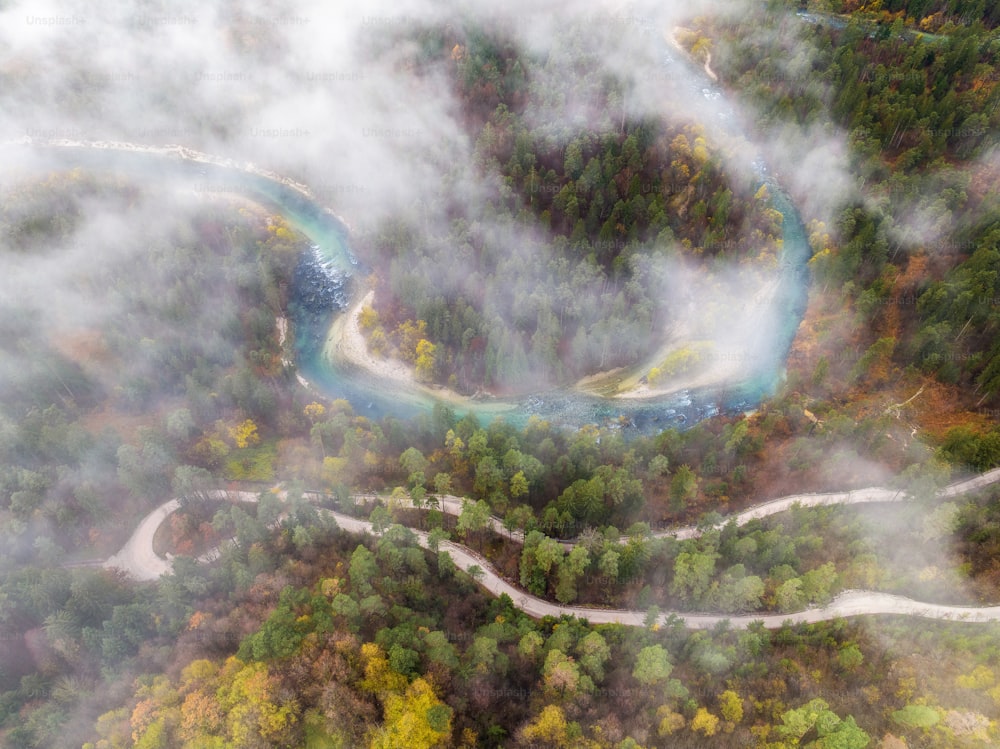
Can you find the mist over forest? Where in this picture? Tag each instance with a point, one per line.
(357, 362)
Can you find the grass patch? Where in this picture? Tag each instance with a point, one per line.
(252, 463)
(318, 738)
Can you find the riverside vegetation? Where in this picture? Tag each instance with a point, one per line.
(302, 635)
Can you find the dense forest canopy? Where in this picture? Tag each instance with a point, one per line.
(147, 346)
(571, 261)
(920, 117)
(929, 15)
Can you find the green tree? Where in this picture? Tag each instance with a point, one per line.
(561, 675)
(413, 461)
(683, 488)
(434, 539)
(693, 571)
(850, 658)
(192, 483)
(473, 520)
(789, 595)
(830, 729)
(539, 554)
(659, 465)
(518, 485)
(489, 477)
(738, 591)
(652, 666)
(608, 565)
(180, 424)
(816, 583)
(363, 569)
(592, 654)
(530, 645)
(380, 519)
(442, 482)
(570, 568)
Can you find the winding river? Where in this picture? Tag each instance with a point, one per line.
(324, 288)
(761, 375)
(326, 284)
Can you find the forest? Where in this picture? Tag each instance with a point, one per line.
(927, 15)
(302, 634)
(919, 117)
(557, 271)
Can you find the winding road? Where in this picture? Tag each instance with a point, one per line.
(139, 561)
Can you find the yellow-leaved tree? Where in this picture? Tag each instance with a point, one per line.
(368, 317)
(314, 410)
(249, 698)
(670, 722)
(407, 335)
(731, 707)
(416, 719)
(425, 360)
(244, 434)
(704, 722)
(380, 678)
(549, 728)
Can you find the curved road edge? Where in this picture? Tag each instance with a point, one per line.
(138, 559)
